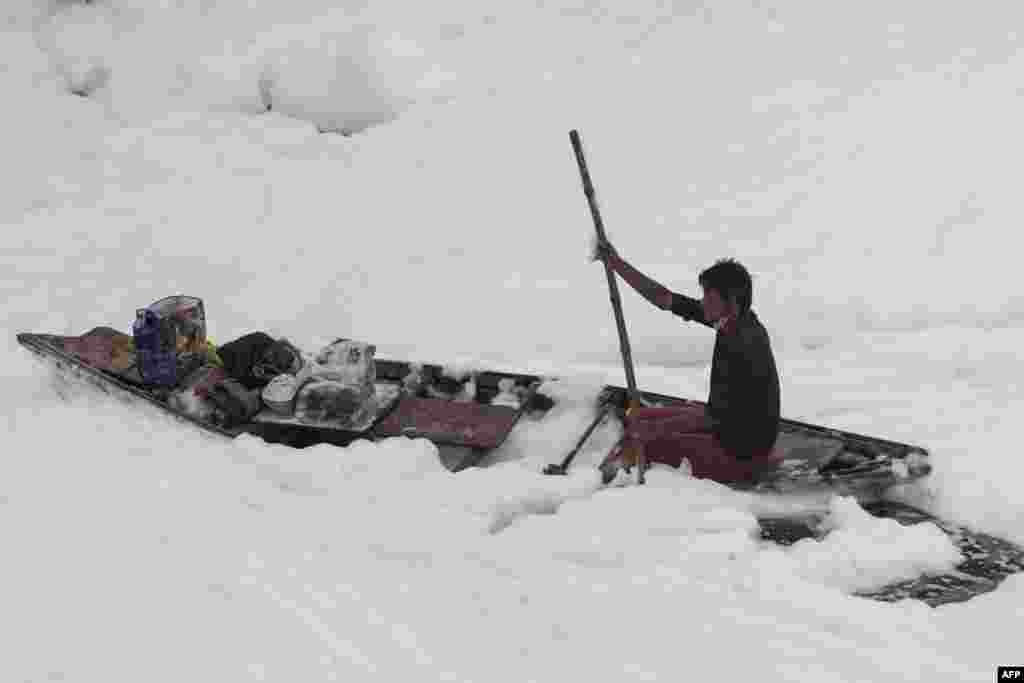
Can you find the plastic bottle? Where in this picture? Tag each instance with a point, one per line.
(157, 364)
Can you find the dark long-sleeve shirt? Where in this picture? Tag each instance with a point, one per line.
(743, 400)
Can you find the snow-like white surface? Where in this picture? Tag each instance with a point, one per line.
(861, 161)
(861, 552)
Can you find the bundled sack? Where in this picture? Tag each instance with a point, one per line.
(340, 385)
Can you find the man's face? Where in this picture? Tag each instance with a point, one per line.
(715, 306)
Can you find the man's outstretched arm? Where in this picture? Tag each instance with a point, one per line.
(659, 295)
(653, 291)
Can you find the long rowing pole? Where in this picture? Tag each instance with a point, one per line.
(633, 453)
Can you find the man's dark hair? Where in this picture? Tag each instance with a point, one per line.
(730, 279)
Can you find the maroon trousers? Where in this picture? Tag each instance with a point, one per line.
(707, 457)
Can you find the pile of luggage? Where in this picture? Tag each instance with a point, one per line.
(332, 387)
(169, 354)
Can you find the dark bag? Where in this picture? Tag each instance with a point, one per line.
(241, 356)
(256, 358)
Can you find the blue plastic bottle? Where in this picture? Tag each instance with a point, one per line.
(157, 364)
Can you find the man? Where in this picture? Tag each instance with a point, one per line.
(732, 438)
